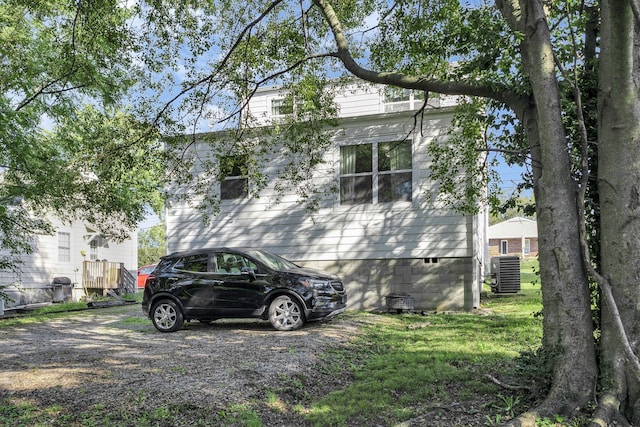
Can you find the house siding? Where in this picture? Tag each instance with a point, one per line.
(418, 247)
(33, 282)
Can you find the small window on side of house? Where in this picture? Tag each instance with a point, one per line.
(64, 246)
(504, 247)
(234, 183)
(281, 107)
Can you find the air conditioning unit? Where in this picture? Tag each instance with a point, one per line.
(505, 274)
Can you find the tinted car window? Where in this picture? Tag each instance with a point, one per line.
(197, 263)
(227, 262)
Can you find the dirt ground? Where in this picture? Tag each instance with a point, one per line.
(115, 360)
(115, 357)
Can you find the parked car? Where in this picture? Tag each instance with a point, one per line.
(210, 284)
(143, 273)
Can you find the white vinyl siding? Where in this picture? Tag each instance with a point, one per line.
(420, 228)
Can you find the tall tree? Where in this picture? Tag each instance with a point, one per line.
(151, 244)
(526, 64)
(68, 147)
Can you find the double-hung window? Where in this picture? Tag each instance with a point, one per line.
(64, 246)
(389, 181)
(281, 107)
(234, 184)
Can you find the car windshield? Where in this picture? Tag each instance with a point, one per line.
(272, 261)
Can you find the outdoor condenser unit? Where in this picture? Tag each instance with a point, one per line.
(505, 274)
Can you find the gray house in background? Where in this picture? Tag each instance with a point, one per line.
(516, 236)
(383, 232)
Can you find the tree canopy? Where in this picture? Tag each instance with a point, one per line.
(69, 147)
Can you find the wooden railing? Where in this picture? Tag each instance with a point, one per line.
(107, 276)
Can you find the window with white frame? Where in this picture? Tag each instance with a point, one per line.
(527, 247)
(234, 184)
(391, 179)
(64, 246)
(399, 99)
(504, 247)
(281, 107)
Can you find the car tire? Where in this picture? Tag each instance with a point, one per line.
(167, 316)
(285, 314)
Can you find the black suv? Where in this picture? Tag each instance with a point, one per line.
(218, 283)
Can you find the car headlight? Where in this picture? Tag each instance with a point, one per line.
(315, 284)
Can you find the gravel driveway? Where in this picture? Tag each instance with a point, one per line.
(114, 358)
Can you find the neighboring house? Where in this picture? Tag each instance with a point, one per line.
(515, 236)
(383, 231)
(76, 260)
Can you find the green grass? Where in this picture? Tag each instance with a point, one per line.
(403, 366)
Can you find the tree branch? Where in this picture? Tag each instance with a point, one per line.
(469, 88)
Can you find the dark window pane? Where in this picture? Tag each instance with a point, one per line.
(395, 187)
(356, 159)
(355, 190)
(197, 263)
(394, 156)
(234, 188)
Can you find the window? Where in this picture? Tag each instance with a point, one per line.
(356, 174)
(234, 184)
(527, 247)
(390, 181)
(281, 107)
(394, 172)
(398, 99)
(93, 250)
(232, 263)
(197, 263)
(64, 247)
(396, 94)
(504, 247)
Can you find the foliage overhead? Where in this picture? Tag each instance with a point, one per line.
(68, 146)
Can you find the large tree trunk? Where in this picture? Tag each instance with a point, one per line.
(568, 328)
(619, 190)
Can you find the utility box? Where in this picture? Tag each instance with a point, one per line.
(505, 274)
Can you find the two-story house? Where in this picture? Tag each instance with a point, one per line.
(382, 229)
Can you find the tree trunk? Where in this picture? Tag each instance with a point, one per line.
(568, 329)
(619, 190)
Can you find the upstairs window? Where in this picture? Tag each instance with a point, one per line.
(398, 99)
(390, 181)
(281, 107)
(235, 184)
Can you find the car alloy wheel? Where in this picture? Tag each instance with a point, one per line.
(167, 317)
(285, 314)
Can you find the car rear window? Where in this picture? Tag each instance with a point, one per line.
(197, 263)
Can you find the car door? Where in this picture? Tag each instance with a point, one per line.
(241, 292)
(196, 284)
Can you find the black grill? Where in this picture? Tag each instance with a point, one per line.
(338, 286)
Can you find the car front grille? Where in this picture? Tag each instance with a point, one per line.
(338, 286)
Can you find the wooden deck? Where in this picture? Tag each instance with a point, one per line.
(105, 276)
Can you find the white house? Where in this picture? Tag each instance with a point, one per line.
(383, 231)
(76, 260)
(515, 236)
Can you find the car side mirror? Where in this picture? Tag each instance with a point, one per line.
(249, 272)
